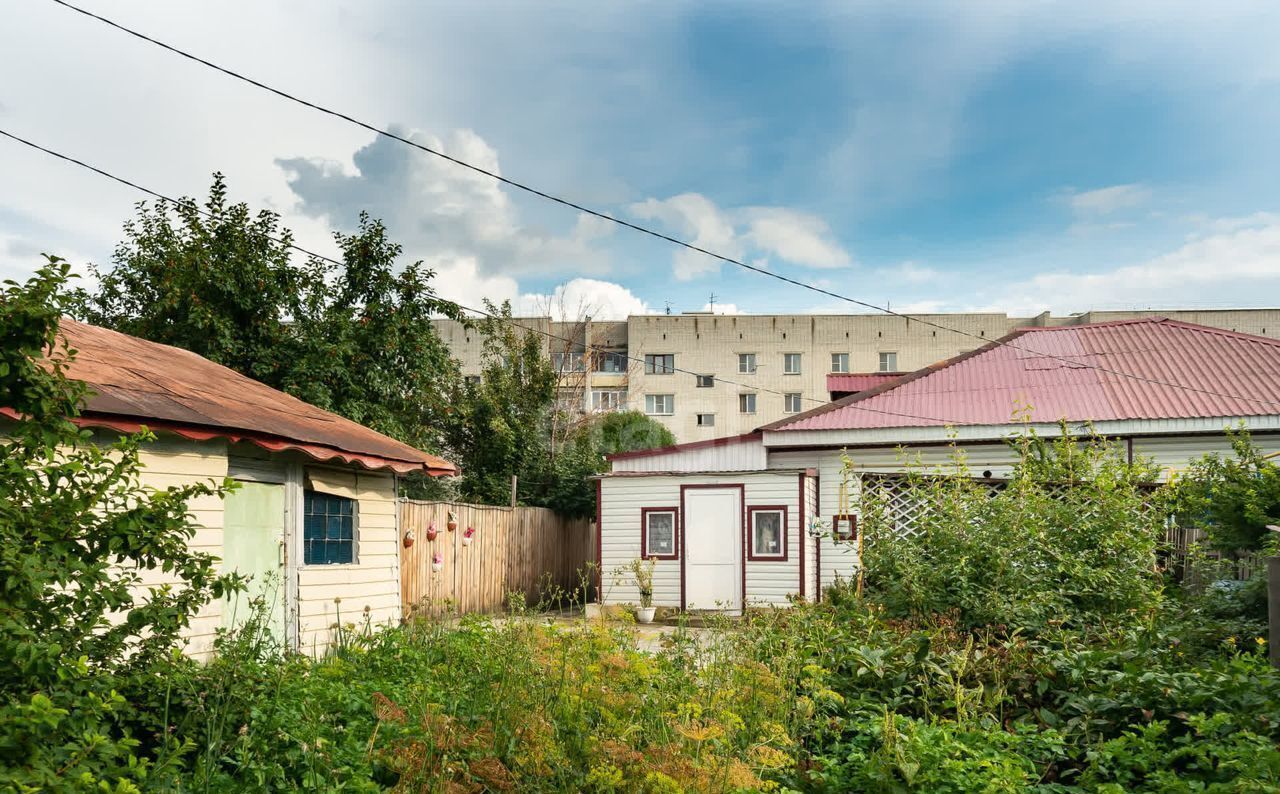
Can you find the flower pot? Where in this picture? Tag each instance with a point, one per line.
(466, 540)
(408, 538)
(432, 532)
(468, 536)
(645, 614)
(437, 567)
(452, 524)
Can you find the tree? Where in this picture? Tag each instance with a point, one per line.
(78, 631)
(219, 283)
(1232, 499)
(628, 431)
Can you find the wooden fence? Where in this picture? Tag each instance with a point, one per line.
(1181, 540)
(523, 550)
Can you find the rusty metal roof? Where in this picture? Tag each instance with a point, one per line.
(1059, 373)
(166, 388)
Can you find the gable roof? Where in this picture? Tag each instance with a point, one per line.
(1174, 370)
(166, 388)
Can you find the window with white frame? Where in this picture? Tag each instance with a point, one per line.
(706, 381)
(746, 403)
(611, 362)
(768, 532)
(792, 402)
(839, 362)
(659, 363)
(659, 527)
(567, 362)
(706, 420)
(888, 362)
(790, 363)
(747, 363)
(660, 404)
(608, 399)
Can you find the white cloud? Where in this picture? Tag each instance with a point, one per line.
(438, 209)
(1237, 267)
(910, 272)
(1107, 200)
(584, 297)
(796, 237)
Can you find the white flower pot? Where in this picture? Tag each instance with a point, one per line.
(466, 541)
(437, 566)
(645, 614)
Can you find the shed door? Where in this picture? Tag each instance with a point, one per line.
(713, 549)
(253, 545)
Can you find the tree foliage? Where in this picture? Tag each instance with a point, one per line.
(1232, 498)
(1071, 537)
(80, 539)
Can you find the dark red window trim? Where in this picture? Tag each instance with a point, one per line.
(675, 533)
(853, 525)
(751, 552)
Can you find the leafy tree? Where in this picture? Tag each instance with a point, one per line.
(78, 531)
(628, 431)
(1232, 499)
(370, 353)
(221, 285)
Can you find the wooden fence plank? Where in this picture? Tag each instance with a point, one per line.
(514, 551)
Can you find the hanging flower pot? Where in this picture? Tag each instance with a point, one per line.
(408, 538)
(453, 521)
(468, 536)
(437, 562)
(432, 531)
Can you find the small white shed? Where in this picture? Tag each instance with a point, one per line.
(708, 510)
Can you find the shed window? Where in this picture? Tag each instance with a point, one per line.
(844, 527)
(768, 533)
(328, 528)
(658, 532)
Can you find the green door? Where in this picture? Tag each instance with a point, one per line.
(253, 544)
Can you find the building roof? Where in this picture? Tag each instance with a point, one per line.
(858, 381)
(1072, 373)
(169, 389)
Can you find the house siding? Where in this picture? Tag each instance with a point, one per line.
(768, 582)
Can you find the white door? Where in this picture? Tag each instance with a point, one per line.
(713, 549)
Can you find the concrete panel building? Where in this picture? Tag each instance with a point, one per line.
(708, 375)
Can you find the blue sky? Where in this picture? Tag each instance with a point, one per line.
(1002, 156)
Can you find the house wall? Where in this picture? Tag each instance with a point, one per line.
(622, 498)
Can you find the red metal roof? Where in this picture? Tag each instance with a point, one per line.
(858, 381)
(1058, 373)
(166, 388)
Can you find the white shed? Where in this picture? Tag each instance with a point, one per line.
(1167, 390)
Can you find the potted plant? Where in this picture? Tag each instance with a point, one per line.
(468, 536)
(437, 561)
(452, 523)
(642, 573)
(432, 531)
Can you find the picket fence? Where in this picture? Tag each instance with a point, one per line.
(527, 550)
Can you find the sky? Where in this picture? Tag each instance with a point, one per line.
(977, 156)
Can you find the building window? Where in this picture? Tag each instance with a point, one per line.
(472, 380)
(706, 420)
(706, 381)
(746, 403)
(608, 399)
(659, 364)
(747, 363)
(792, 401)
(658, 532)
(660, 404)
(844, 527)
(567, 362)
(888, 362)
(611, 362)
(328, 529)
(839, 362)
(790, 363)
(768, 533)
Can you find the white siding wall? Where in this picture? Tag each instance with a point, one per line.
(811, 509)
(768, 582)
(373, 581)
(177, 462)
(745, 455)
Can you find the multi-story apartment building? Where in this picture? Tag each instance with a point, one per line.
(709, 375)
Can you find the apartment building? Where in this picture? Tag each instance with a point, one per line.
(708, 375)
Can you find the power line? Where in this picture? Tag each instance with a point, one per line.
(634, 226)
(482, 312)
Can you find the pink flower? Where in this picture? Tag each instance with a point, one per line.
(470, 531)
(437, 558)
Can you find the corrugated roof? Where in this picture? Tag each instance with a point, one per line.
(1059, 373)
(167, 388)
